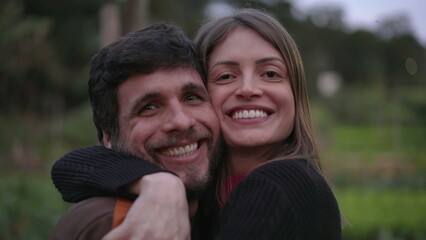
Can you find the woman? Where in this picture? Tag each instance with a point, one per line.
(256, 82)
(257, 87)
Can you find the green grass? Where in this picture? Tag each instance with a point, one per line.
(366, 154)
(383, 214)
(376, 139)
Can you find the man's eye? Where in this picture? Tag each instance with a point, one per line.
(192, 97)
(149, 107)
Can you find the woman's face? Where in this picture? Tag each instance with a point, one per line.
(250, 90)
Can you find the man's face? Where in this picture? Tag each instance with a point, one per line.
(166, 117)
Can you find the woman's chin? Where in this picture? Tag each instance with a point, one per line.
(248, 142)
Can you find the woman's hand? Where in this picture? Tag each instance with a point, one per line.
(160, 211)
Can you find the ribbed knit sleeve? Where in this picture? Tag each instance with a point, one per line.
(98, 171)
(285, 199)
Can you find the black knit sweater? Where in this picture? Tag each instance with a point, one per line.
(286, 199)
(98, 171)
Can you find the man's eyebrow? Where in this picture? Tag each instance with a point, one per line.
(195, 87)
(231, 63)
(268, 59)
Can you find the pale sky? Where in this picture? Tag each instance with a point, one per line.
(367, 13)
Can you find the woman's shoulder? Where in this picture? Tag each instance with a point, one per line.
(296, 188)
(295, 177)
(294, 168)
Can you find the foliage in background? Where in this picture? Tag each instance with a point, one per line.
(383, 214)
(371, 131)
(29, 207)
(46, 47)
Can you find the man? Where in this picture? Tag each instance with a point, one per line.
(148, 100)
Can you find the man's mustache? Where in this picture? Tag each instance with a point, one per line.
(176, 139)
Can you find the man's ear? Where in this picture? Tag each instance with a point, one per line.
(107, 140)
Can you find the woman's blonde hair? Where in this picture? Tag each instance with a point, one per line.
(301, 142)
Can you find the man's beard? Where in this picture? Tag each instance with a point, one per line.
(214, 155)
(199, 182)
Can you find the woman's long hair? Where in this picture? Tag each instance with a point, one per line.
(301, 141)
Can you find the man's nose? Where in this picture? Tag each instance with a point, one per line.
(178, 119)
(248, 88)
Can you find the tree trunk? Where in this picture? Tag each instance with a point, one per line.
(110, 23)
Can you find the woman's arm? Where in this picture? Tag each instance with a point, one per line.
(98, 171)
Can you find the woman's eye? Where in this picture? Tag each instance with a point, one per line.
(225, 77)
(271, 74)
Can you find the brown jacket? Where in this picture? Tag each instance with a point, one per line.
(90, 219)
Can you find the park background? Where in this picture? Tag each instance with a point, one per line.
(366, 87)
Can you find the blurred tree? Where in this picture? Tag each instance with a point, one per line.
(136, 15)
(110, 23)
(42, 60)
(187, 14)
(327, 16)
(359, 58)
(29, 67)
(395, 25)
(46, 46)
(396, 51)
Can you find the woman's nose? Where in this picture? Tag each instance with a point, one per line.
(249, 89)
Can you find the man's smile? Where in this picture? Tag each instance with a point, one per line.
(180, 151)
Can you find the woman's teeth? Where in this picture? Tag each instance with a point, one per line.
(245, 114)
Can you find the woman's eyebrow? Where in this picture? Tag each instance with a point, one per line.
(268, 59)
(232, 63)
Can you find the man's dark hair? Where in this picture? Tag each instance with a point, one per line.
(160, 46)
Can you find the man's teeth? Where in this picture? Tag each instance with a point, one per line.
(249, 114)
(181, 151)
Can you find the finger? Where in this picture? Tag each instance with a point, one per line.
(119, 233)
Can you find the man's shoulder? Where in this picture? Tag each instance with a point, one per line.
(88, 219)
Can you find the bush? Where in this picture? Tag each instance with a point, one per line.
(30, 207)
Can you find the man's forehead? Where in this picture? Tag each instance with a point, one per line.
(169, 76)
(163, 82)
